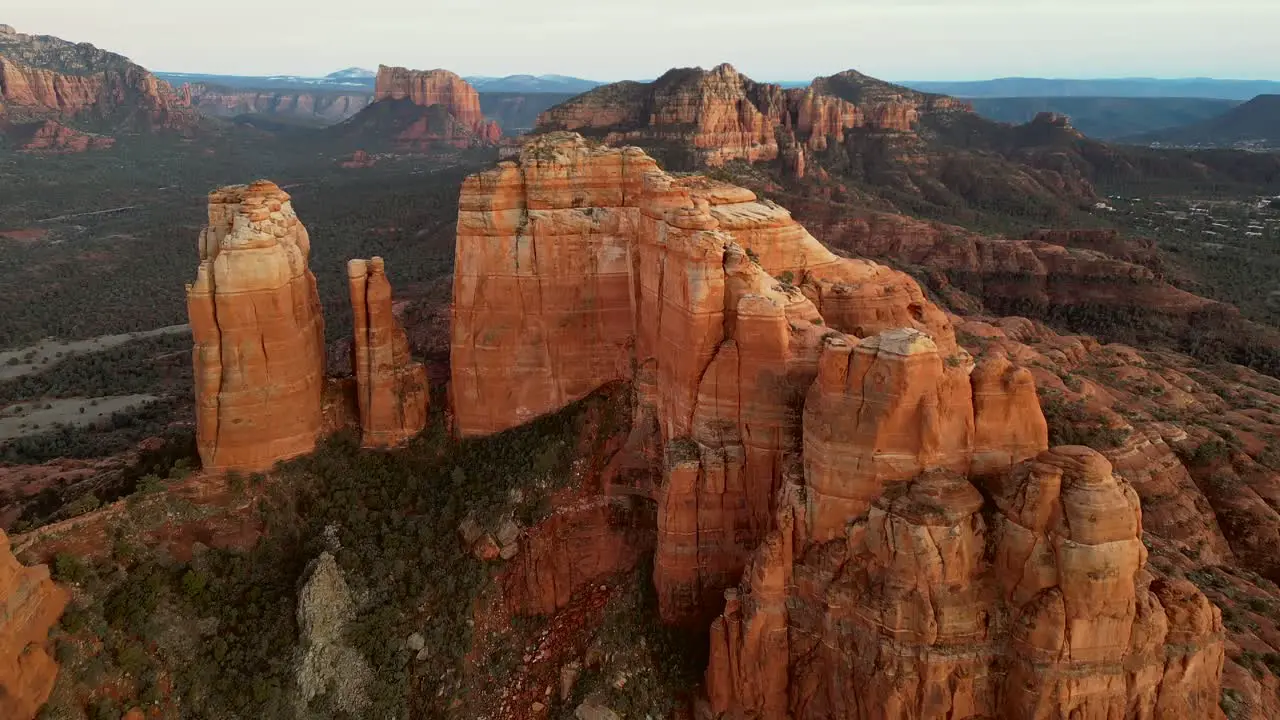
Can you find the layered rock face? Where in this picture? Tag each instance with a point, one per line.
(458, 119)
(391, 388)
(30, 604)
(914, 601)
(259, 333)
(319, 108)
(871, 517)
(43, 78)
(580, 265)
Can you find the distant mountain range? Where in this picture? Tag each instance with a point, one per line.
(1106, 118)
(1111, 88)
(1255, 125)
(533, 84)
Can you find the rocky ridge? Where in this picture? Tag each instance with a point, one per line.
(45, 79)
(313, 108)
(721, 115)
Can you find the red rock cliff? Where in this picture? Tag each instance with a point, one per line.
(259, 333)
(30, 604)
(44, 77)
(391, 388)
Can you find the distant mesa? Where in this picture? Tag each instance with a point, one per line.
(421, 110)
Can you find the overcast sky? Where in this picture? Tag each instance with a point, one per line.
(612, 40)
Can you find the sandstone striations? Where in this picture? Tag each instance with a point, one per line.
(45, 78)
(923, 606)
(391, 388)
(30, 604)
(317, 108)
(259, 334)
(588, 265)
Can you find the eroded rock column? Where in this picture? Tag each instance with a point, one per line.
(391, 388)
(259, 333)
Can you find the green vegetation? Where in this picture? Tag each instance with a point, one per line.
(221, 628)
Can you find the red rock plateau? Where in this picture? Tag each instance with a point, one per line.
(44, 78)
(803, 411)
(30, 604)
(425, 108)
(391, 388)
(259, 332)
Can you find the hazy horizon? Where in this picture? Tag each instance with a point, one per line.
(907, 40)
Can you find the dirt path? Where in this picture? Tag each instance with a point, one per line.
(34, 417)
(43, 355)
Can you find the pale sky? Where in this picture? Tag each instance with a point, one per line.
(612, 40)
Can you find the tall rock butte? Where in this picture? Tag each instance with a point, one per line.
(872, 521)
(391, 388)
(426, 107)
(259, 333)
(30, 604)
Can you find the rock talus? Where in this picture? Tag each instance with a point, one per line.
(30, 604)
(259, 333)
(391, 388)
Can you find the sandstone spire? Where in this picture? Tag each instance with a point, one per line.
(30, 604)
(392, 389)
(259, 333)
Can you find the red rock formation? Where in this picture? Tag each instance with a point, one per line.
(259, 334)
(589, 265)
(391, 388)
(43, 78)
(442, 89)
(51, 136)
(30, 604)
(920, 608)
(721, 115)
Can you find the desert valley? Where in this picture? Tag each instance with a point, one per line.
(403, 394)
